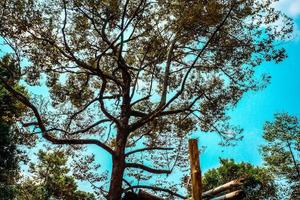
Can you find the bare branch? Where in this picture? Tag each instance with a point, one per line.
(139, 100)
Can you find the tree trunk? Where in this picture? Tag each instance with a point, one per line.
(294, 160)
(118, 161)
(115, 189)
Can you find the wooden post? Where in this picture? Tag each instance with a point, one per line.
(239, 194)
(147, 196)
(195, 170)
(227, 186)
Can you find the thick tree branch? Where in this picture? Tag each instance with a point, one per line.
(122, 29)
(102, 106)
(155, 188)
(148, 149)
(148, 169)
(167, 73)
(137, 113)
(81, 130)
(140, 100)
(137, 76)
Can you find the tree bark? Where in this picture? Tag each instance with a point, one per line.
(118, 161)
(294, 160)
(115, 189)
(195, 170)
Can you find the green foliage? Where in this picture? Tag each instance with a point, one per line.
(51, 180)
(282, 148)
(10, 109)
(141, 74)
(9, 168)
(260, 184)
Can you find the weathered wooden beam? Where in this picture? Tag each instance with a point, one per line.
(236, 195)
(195, 170)
(147, 196)
(224, 187)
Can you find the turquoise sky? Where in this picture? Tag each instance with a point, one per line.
(281, 95)
(255, 108)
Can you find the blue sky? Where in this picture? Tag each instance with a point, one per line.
(255, 108)
(281, 95)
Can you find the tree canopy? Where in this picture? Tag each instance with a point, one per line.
(136, 77)
(10, 109)
(50, 179)
(259, 184)
(282, 148)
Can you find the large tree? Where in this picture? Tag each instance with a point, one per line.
(135, 77)
(282, 149)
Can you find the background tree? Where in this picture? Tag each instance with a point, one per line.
(51, 180)
(282, 148)
(10, 109)
(136, 77)
(259, 184)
